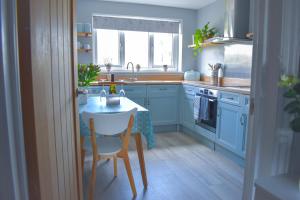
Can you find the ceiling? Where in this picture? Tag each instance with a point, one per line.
(189, 4)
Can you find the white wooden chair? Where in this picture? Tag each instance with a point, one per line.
(108, 145)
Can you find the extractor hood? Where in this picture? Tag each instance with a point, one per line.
(236, 23)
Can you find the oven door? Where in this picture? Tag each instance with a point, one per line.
(209, 124)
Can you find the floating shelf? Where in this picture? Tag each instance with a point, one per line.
(84, 50)
(84, 34)
(207, 44)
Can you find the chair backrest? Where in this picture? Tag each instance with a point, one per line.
(108, 124)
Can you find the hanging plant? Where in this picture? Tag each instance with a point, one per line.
(292, 85)
(201, 35)
(87, 74)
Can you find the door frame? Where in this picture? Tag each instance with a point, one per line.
(13, 173)
(276, 48)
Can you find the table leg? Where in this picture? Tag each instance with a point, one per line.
(139, 148)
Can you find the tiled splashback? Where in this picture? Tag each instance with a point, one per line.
(237, 59)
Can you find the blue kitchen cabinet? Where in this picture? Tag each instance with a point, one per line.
(163, 104)
(187, 107)
(232, 122)
(228, 126)
(136, 93)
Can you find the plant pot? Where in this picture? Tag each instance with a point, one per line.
(165, 67)
(82, 95)
(82, 99)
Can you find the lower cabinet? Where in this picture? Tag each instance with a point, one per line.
(161, 100)
(187, 112)
(163, 104)
(232, 125)
(163, 110)
(229, 127)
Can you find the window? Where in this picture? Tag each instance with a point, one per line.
(108, 47)
(152, 44)
(136, 48)
(163, 49)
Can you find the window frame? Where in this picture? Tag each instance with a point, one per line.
(122, 65)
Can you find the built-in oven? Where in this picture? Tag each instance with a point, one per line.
(209, 110)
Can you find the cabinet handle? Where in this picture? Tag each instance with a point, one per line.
(242, 119)
(230, 98)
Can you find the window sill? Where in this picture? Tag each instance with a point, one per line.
(142, 72)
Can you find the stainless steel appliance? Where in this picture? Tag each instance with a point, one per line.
(212, 96)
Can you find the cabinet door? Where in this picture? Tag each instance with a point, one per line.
(229, 127)
(139, 100)
(163, 110)
(187, 112)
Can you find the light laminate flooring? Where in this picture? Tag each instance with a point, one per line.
(179, 168)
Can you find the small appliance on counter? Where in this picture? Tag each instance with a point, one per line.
(192, 75)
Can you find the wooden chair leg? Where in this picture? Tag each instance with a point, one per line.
(92, 181)
(140, 152)
(82, 159)
(115, 166)
(82, 153)
(129, 173)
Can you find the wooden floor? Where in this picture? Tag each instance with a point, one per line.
(178, 168)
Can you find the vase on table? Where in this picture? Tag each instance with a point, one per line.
(82, 96)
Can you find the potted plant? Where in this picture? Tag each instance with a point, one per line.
(201, 35)
(292, 93)
(86, 75)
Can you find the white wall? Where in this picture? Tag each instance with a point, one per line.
(86, 8)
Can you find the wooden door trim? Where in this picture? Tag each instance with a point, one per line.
(79, 169)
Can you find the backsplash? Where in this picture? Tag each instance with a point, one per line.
(237, 59)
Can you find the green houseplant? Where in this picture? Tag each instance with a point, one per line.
(292, 85)
(86, 75)
(201, 35)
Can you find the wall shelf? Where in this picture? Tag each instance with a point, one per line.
(84, 50)
(84, 34)
(206, 44)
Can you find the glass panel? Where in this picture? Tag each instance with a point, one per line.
(163, 45)
(107, 46)
(136, 48)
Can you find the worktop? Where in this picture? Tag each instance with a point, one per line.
(241, 89)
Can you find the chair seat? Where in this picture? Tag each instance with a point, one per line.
(107, 145)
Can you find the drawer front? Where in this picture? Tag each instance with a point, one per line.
(134, 91)
(189, 90)
(230, 98)
(162, 90)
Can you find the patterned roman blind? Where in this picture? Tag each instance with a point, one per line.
(134, 24)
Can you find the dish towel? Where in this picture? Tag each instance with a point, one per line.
(204, 109)
(197, 100)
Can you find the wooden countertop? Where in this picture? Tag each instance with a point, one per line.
(242, 89)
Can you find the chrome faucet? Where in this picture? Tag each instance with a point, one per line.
(133, 78)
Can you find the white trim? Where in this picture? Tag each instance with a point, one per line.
(265, 152)
(13, 181)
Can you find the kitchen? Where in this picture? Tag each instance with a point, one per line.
(135, 99)
(158, 67)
